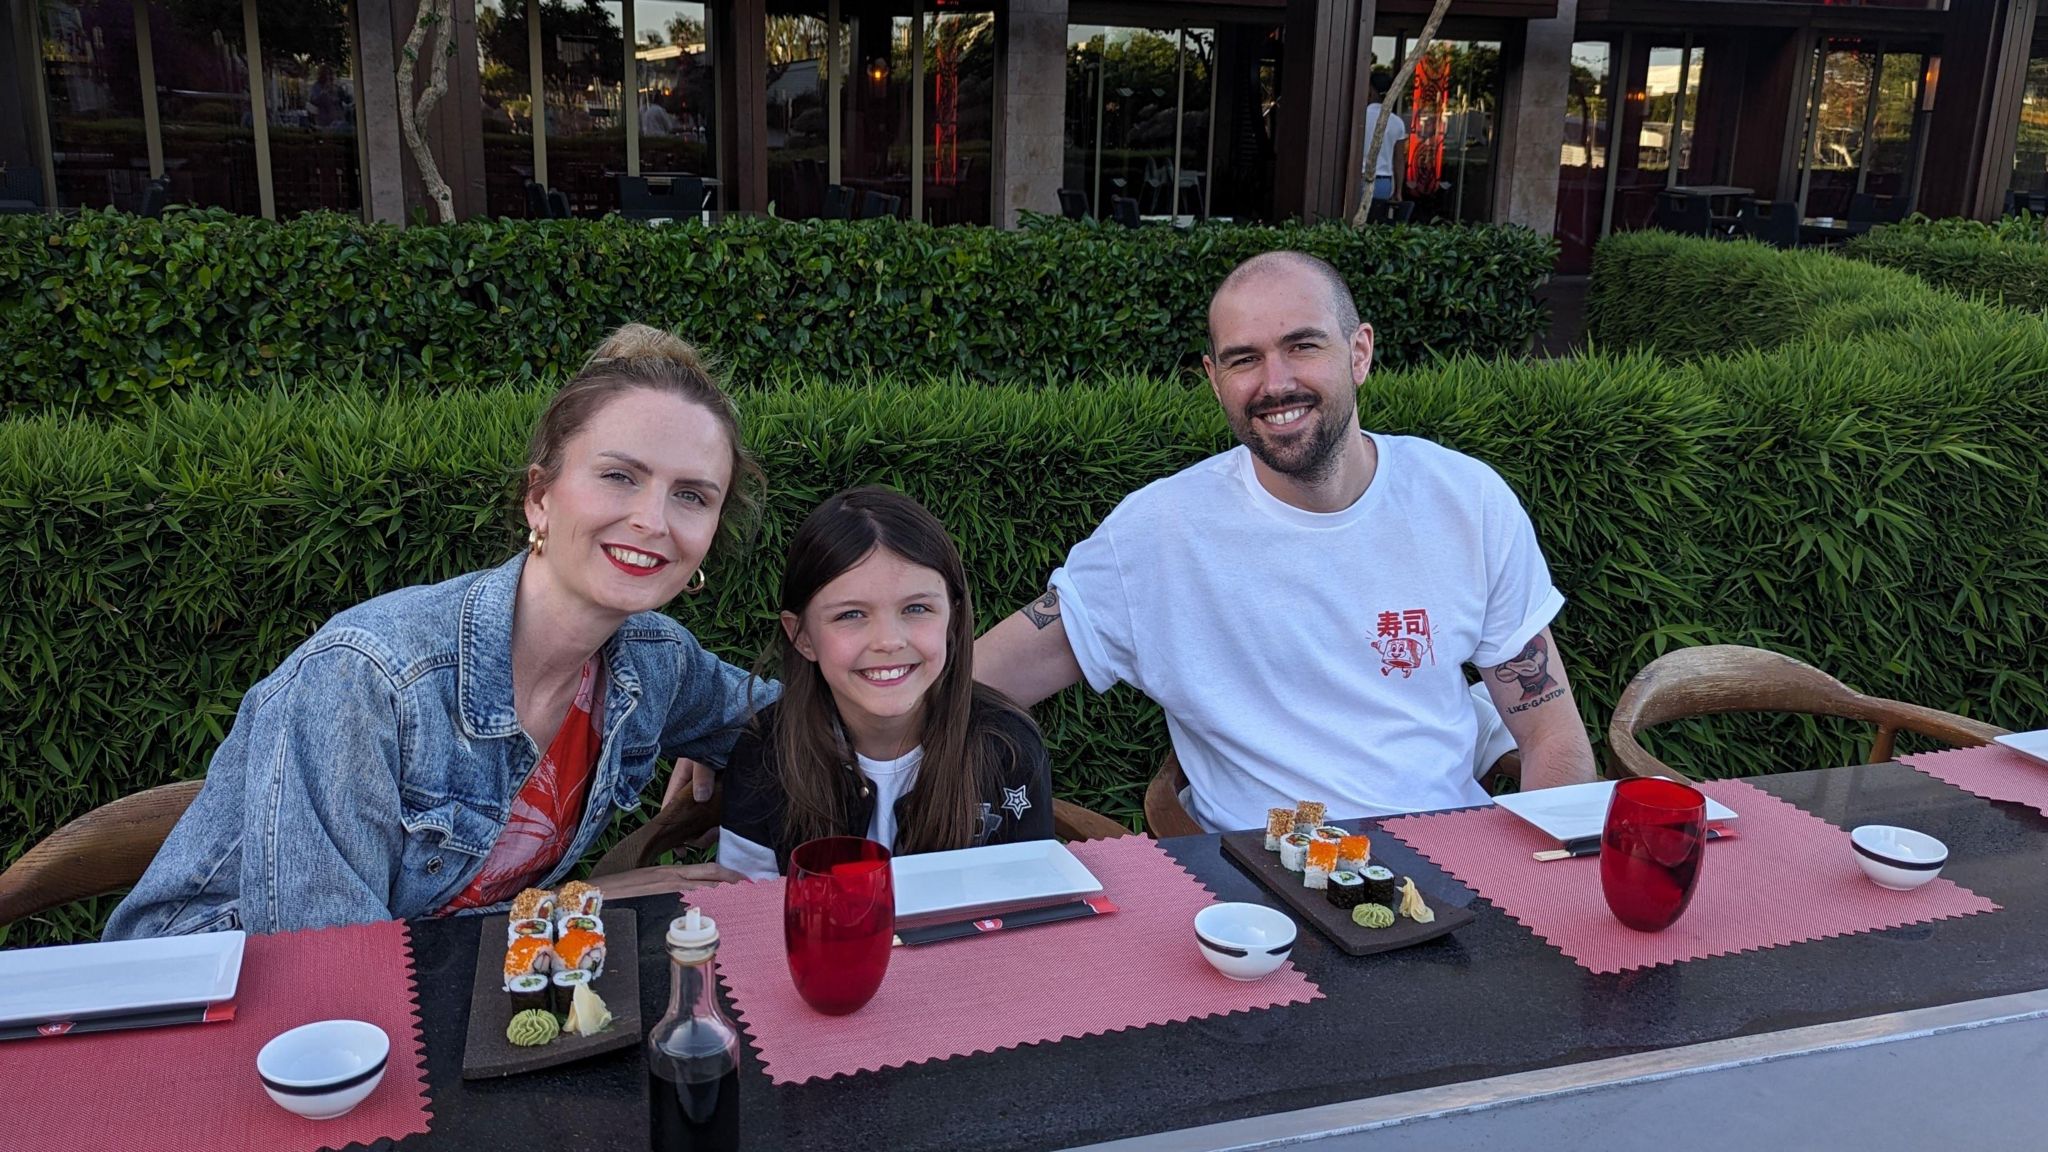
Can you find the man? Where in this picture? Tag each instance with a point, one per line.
(1381, 177)
(1302, 606)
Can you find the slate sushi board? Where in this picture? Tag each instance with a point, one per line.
(486, 1053)
(1445, 897)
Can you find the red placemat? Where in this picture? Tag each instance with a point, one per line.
(1136, 967)
(1992, 771)
(1786, 876)
(194, 1087)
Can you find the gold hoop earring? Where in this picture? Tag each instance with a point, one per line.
(696, 583)
(537, 540)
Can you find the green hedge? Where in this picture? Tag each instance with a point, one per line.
(1686, 299)
(102, 311)
(1875, 507)
(2004, 264)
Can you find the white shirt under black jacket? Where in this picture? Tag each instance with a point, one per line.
(1312, 656)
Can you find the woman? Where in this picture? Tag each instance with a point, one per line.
(438, 748)
(881, 731)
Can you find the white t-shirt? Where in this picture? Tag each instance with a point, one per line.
(891, 778)
(1312, 656)
(1397, 131)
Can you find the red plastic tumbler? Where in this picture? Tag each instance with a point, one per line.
(838, 921)
(1651, 848)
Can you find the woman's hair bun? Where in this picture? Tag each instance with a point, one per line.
(644, 342)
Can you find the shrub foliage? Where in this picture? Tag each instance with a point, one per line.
(102, 311)
(2005, 263)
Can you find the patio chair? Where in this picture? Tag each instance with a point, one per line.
(1124, 210)
(105, 850)
(156, 195)
(874, 205)
(1073, 204)
(684, 820)
(1869, 209)
(1684, 213)
(1715, 679)
(21, 188)
(1390, 212)
(536, 200)
(558, 204)
(838, 202)
(1773, 222)
(1166, 816)
(680, 198)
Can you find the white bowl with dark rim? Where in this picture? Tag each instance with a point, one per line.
(323, 1069)
(1244, 941)
(1897, 858)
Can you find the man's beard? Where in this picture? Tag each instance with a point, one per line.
(1309, 461)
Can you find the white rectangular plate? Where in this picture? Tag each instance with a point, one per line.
(2034, 744)
(968, 882)
(74, 981)
(1578, 810)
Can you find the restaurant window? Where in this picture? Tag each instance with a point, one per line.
(1141, 126)
(202, 88)
(92, 86)
(1582, 164)
(959, 113)
(506, 94)
(1662, 82)
(799, 117)
(310, 97)
(1862, 128)
(2030, 156)
(583, 52)
(676, 112)
(1451, 109)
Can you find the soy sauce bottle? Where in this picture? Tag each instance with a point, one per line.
(693, 1053)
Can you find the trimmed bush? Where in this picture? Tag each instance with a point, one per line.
(103, 311)
(1685, 298)
(2004, 264)
(1875, 507)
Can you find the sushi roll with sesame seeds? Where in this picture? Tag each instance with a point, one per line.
(1308, 814)
(1279, 825)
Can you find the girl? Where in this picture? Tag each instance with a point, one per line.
(881, 731)
(438, 748)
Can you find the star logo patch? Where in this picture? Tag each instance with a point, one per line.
(1016, 802)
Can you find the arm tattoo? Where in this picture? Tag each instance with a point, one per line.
(1044, 610)
(1531, 668)
(1543, 699)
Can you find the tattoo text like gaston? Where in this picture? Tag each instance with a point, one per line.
(1044, 610)
(1531, 669)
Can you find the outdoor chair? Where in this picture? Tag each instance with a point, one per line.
(1720, 678)
(1390, 212)
(106, 850)
(1166, 816)
(874, 205)
(558, 204)
(2019, 203)
(21, 188)
(681, 198)
(1773, 222)
(1684, 213)
(536, 200)
(1124, 210)
(838, 202)
(1868, 209)
(1073, 204)
(684, 820)
(156, 195)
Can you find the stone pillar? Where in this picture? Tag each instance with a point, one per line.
(1031, 108)
(1531, 130)
(378, 136)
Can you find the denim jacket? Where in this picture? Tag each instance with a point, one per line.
(368, 777)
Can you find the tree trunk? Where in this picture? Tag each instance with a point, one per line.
(1393, 97)
(432, 32)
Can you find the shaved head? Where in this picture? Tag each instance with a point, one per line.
(1268, 265)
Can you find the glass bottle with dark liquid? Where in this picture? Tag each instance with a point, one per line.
(693, 1053)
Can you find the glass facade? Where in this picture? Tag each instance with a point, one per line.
(1860, 132)
(92, 86)
(202, 87)
(1451, 109)
(310, 102)
(959, 114)
(2030, 158)
(1140, 102)
(677, 105)
(1582, 163)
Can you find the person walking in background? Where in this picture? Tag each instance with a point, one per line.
(1381, 171)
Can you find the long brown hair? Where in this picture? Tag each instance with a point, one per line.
(636, 356)
(811, 747)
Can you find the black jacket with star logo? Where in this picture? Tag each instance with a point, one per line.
(1015, 805)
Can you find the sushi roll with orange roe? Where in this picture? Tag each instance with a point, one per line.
(582, 949)
(1354, 853)
(1322, 860)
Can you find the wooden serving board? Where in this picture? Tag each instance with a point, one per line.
(1443, 895)
(486, 1053)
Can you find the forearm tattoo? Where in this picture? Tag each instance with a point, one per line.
(1531, 669)
(1044, 610)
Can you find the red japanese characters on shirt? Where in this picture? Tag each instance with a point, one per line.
(547, 810)
(1404, 642)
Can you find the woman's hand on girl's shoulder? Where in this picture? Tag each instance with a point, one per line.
(666, 879)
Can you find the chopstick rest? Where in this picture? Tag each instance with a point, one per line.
(1590, 845)
(960, 929)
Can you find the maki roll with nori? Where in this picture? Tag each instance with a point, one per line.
(1345, 889)
(529, 963)
(1379, 885)
(532, 990)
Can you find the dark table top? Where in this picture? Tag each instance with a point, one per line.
(1488, 1001)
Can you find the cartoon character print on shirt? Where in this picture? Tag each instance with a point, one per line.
(1404, 642)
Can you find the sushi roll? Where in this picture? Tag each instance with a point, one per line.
(1294, 851)
(1329, 832)
(567, 922)
(1345, 889)
(582, 948)
(1354, 853)
(1379, 885)
(531, 990)
(530, 955)
(1308, 814)
(1279, 823)
(537, 928)
(1322, 860)
(565, 982)
(578, 897)
(533, 904)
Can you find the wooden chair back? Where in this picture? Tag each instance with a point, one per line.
(684, 820)
(1716, 679)
(105, 850)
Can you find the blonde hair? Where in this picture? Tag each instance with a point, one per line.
(641, 357)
